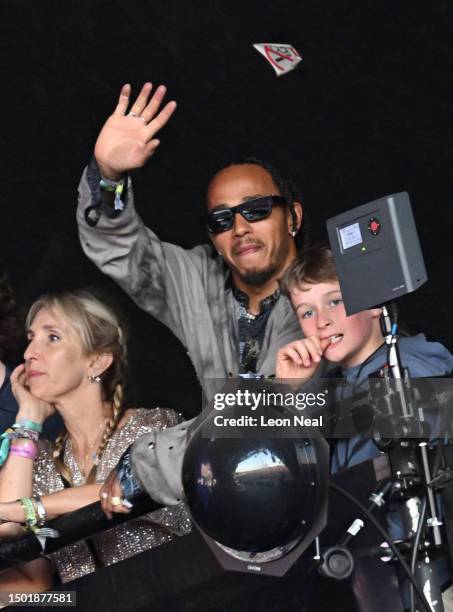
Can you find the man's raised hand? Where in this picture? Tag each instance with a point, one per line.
(127, 139)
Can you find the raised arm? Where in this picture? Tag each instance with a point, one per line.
(170, 283)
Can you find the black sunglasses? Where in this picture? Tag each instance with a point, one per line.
(253, 210)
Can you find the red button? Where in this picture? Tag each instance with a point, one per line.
(374, 226)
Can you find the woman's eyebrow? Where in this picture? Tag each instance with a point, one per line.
(45, 328)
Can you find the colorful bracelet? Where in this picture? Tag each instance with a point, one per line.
(108, 184)
(5, 440)
(116, 187)
(28, 434)
(22, 429)
(31, 520)
(29, 450)
(26, 424)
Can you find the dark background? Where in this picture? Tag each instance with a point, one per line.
(367, 113)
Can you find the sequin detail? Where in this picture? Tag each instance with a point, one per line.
(126, 540)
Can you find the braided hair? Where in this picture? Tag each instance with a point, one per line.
(99, 330)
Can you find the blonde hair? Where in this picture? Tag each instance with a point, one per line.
(99, 330)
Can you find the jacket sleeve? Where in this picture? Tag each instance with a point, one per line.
(163, 279)
(156, 461)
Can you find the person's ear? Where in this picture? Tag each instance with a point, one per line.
(376, 312)
(100, 364)
(295, 218)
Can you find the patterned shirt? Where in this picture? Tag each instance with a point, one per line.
(251, 329)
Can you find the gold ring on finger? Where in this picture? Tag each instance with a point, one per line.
(116, 501)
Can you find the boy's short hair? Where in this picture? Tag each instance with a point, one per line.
(314, 265)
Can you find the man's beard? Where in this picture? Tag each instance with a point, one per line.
(257, 277)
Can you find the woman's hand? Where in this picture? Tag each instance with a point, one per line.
(30, 407)
(127, 141)
(300, 358)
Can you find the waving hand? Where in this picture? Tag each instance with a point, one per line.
(127, 139)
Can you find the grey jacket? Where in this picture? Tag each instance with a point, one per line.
(187, 290)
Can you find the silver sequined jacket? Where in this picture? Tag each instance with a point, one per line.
(133, 537)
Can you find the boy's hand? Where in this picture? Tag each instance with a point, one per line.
(299, 359)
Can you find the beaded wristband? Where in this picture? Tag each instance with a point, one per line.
(29, 513)
(28, 434)
(29, 450)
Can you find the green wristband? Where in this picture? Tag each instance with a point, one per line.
(26, 424)
(28, 507)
